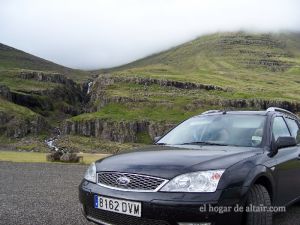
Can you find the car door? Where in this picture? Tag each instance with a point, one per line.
(294, 128)
(287, 170)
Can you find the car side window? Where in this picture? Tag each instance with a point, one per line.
(294, 128)
(279, 128)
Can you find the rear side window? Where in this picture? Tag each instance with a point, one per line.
(279, 128)
(294, 128)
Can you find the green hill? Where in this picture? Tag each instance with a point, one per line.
(145, 98)
(14, 59)
(33, 86)
(243, 61)
(223, 70)
(224, 52)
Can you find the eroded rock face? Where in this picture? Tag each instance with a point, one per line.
(105, 80)
(17, 127)
(46, 77)
(5, 92)
(256, 104)
(119, 131)
(31, 101)
(67, 92)
(98, 94)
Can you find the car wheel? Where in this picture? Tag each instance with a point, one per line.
(258, 196)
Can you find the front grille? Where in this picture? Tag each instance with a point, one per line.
(135, 182)
(120, 219)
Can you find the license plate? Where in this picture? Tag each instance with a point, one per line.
(118, 206)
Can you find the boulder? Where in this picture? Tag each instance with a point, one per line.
(69, 157)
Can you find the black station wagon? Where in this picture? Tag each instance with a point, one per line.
(221, 167)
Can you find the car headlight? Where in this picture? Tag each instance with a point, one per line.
(90, 174)
(203, 181)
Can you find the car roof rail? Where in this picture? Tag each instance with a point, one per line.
(284, 111)
(211, 111)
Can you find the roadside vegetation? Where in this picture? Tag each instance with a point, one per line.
(38, 157)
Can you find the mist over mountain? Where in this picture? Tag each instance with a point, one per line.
(135, 102)
(98, 34)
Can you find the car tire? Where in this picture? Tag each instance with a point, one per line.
(258, 195)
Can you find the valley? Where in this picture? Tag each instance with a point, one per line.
(110, 110)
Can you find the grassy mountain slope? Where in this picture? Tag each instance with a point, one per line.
(140, 100)
(37, 95)
(14, 59)
(252, 70)
(29, 84)
(253, 64)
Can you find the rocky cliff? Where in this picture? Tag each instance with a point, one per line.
(17, 126)
(243, 104)
(119, 131)
(63, 98)
(67, 97)
(5, 92)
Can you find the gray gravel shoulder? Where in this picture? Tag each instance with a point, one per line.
(37, 193)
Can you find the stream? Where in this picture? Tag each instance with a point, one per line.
(50, 142)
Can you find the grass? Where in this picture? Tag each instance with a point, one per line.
(157, 103)
(10, 79)
(139, 112)
(12, 109)
(93, 145)
(143, 137)
(75, 143)
(248, 65)
(242, 62)
(35, 157)
(11, 58)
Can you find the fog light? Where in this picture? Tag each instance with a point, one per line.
(194, 223)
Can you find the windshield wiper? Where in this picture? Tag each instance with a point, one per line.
(203, 143)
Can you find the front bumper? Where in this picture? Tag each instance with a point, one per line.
(159, 208)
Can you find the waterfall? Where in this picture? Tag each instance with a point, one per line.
(90, 85)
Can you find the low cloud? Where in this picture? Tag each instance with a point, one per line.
(92, 34)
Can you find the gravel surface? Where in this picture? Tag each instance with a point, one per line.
(47, 194)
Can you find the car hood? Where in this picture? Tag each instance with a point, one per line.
(170, 161)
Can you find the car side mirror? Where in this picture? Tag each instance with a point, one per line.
(283, 142)
(156, 139)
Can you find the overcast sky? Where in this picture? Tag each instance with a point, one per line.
(92, 34)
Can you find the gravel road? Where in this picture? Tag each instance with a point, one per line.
(38, 194)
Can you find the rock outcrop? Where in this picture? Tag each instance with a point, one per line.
(5, 92)
(46, 77)
(69, 95)
(17, 127)
(99, 95)
(32, 101)
(119, 131)
(255, 104)
(104, 80)
(66, 97)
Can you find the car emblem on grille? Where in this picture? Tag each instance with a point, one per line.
(124, 181)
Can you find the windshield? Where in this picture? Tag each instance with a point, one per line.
(225, 129)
